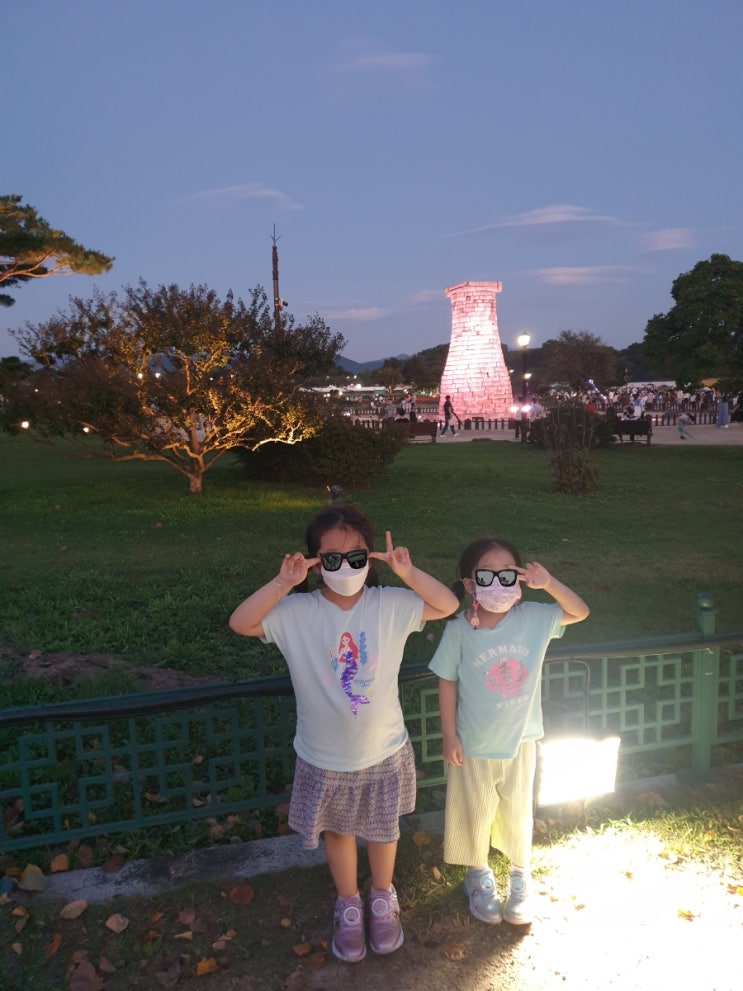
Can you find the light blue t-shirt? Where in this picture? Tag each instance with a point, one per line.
(344, 668)
(498, 674)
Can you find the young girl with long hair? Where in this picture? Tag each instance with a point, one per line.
(343, 643)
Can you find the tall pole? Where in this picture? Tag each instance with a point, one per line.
(277, 300)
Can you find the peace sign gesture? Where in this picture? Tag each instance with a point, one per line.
(398, 558)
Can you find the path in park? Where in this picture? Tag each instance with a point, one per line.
(706, 434)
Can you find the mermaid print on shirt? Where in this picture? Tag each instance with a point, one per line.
(349, 656)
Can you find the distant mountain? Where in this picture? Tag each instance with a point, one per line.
(363, 366)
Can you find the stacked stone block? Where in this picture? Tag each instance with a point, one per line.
(475, 375)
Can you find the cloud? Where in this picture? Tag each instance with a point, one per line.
(427, 296)
(361, 57)
(559, 214)
(358, 315)
(583, 275)
(250, 191)
(670, 239)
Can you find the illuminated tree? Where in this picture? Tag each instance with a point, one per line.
(172, 375)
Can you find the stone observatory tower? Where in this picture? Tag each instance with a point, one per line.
(475, 375)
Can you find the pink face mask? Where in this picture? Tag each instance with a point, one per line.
(495, 598)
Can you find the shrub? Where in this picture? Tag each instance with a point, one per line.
(342, 453)
(570, 432)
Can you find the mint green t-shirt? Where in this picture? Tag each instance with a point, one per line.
(498, 674)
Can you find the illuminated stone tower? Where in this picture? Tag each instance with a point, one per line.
(475, 375)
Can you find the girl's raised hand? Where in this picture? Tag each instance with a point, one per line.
(534, 575)
(294, 568)
(398, 558)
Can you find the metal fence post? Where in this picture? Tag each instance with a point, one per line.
(706, 678)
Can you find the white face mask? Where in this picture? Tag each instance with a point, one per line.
(495, 598)
(346, 580)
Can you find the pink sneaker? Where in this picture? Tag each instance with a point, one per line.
(385, 931)
(349, 942)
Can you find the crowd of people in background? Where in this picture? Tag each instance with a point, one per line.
(628, 402)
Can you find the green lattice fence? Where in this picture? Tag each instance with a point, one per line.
(102, 766)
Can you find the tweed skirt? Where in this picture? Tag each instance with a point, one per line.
(367, 803)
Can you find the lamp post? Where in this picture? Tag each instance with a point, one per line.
(523, 342)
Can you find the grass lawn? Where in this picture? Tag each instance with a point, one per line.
(120, 559)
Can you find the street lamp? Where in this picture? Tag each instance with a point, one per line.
(523, 342)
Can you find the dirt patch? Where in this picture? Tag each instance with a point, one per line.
(65, 667)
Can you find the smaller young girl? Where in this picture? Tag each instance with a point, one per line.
(343, 643)
(489, 664)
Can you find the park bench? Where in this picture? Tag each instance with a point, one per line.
(424, 428)
(641, 427)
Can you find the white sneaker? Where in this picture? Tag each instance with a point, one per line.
(517, 910)
(479, 887)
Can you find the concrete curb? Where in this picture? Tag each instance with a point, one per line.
(245, 860)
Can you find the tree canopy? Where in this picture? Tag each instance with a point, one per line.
(576, 359)
(31, 249)
(172, 375)
(702, 333)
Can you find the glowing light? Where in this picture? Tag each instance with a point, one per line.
(25, 424)
(574, 768)
(523, 340)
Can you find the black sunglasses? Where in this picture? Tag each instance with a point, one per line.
(507, 577)
(333, 559)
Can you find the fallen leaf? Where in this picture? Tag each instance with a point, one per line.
(32, 879)
(16, 948)
(152, 796)
(106, 966)
(286, 923)
(117, 923)
(302, 949)
(436, 873)
(314, 961)
(84, 977)
(437, 928)
(20, 910)
(73, 910)
(156, 916)
(455, 951)
(60, 863)
(685, 913)
(84, 855)
(186, 916)
(187, 934)
(241, 894)
(421, 838)
(170, 977)
(21, 924)
(198, 759)
(53, 946)
(207, 965)
(114, 864)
